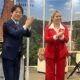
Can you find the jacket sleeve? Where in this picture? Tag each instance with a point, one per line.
(47, 37)
(15, 32)
(66, 35)
(27, 33)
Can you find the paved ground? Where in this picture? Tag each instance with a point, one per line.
(34, 75)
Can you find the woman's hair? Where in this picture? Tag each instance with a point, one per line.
(53, 14)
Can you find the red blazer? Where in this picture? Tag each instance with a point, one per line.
(55, 48)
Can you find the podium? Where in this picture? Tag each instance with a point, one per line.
(22, 70)
(41, 66)
(78, 60)
(78, 56)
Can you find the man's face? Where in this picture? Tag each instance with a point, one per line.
(17, 14)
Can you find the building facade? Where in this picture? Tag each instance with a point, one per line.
(5, 15)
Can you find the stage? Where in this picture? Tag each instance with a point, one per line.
(34, 75)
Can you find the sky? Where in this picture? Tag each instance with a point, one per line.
(1, 6)
(64, 6)
(36, 10)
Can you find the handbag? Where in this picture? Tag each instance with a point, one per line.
(41, 54)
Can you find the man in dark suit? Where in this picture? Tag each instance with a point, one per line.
(13, 33)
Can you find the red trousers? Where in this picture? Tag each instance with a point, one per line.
(55, 69)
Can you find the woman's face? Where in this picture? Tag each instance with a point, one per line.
(57, 18)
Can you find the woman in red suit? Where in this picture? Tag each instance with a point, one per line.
(56, 37)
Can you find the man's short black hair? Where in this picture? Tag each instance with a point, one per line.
(16, 6)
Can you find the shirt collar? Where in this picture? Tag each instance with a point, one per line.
(16, 22)
(52, 26)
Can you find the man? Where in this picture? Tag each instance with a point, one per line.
(13, 33)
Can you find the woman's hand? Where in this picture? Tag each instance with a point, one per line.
(60, 34)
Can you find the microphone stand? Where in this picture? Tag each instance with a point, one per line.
(76, 67)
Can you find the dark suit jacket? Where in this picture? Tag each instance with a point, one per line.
(13, 35)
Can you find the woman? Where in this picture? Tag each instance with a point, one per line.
(56, 37)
